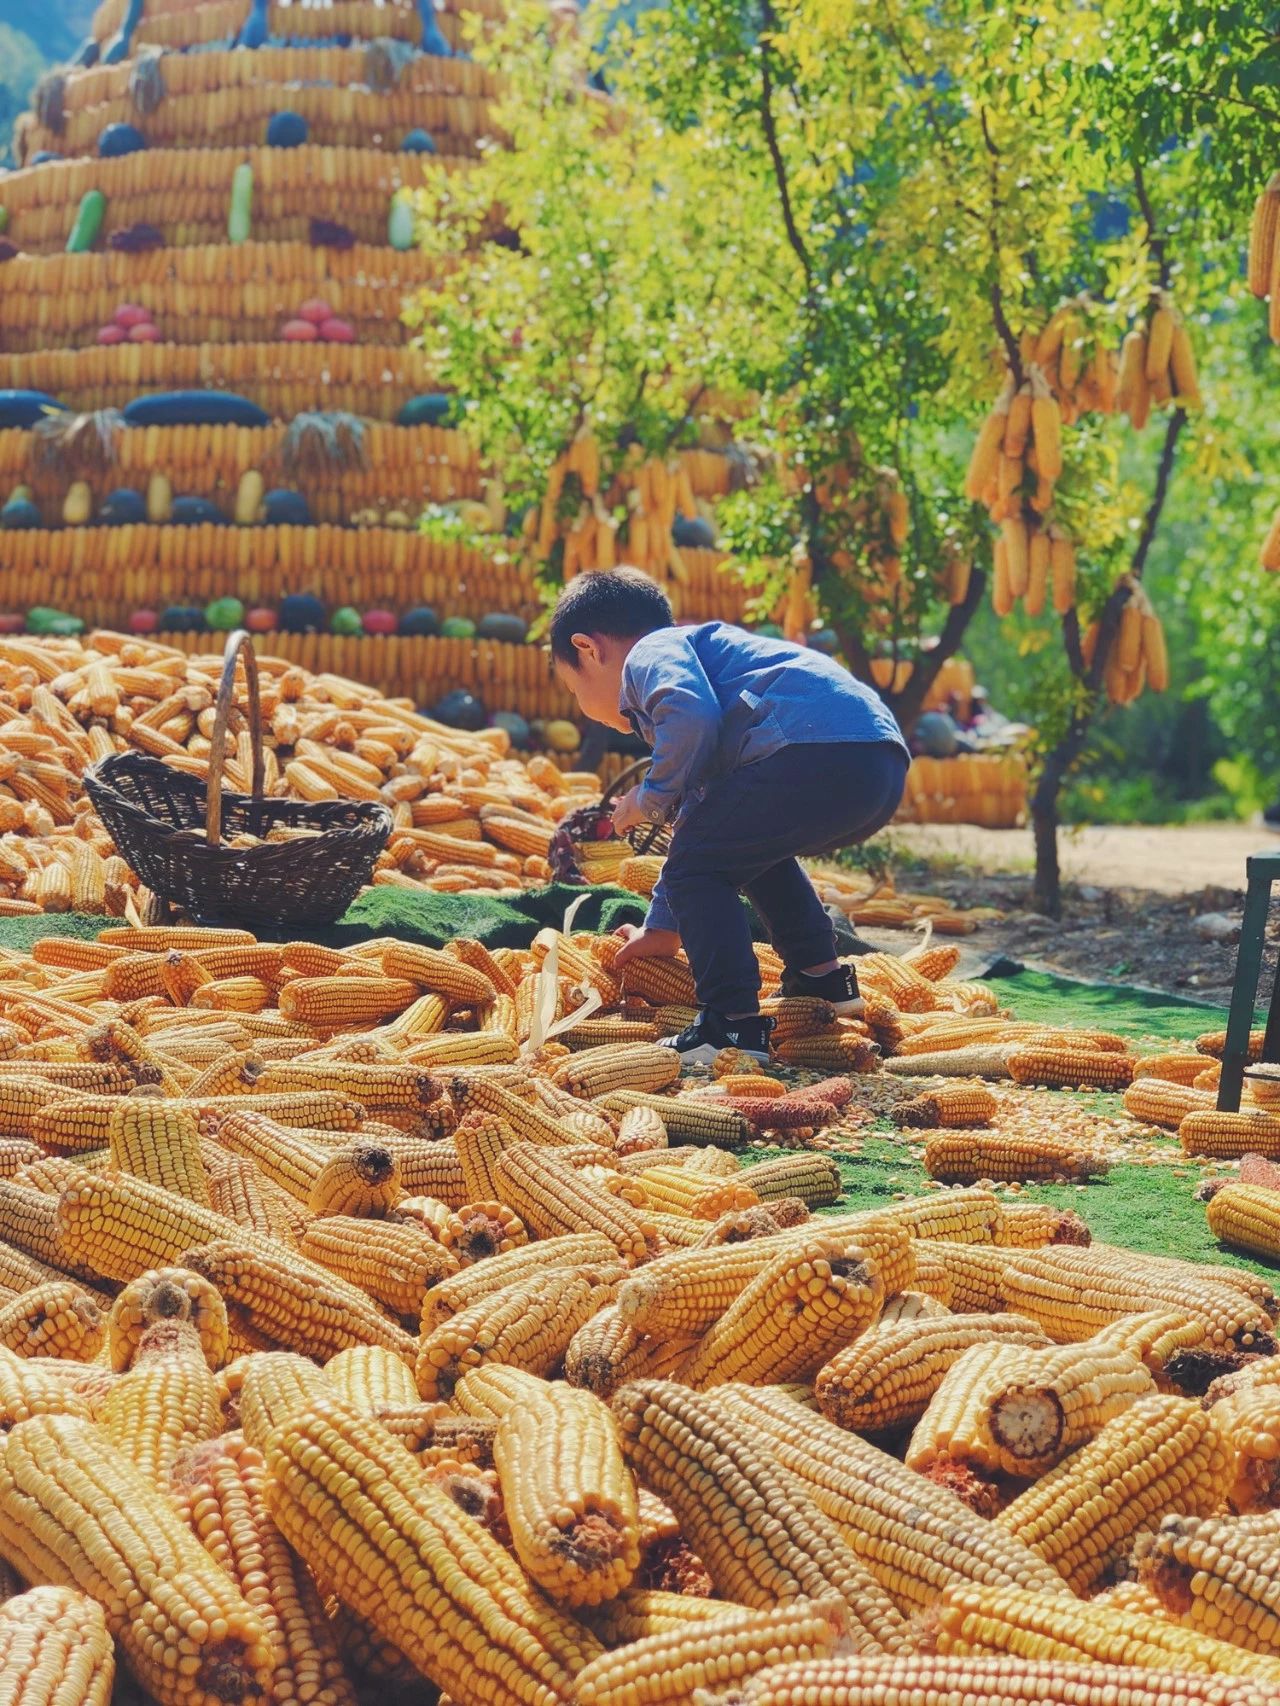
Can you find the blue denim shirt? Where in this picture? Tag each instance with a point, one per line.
(712, 698)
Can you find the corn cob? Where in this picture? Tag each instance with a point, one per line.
(1072, 1293)
(583, 1123)
(54, 1320)
(1155, 1101)
(981, 1060)
(239, 1191)
(526, 1325)
(55, 1649)
(479, 1140)
(749, 1520)
(984, 1620)
(664, 1668)
(955, 1106)
(1229, 1136)
(403, 1568)
(1071, 1069)
(75, 1511)
(569, 1496)
(17, 1153)
(119, 1226)
(84, 1122)
(166, 1294)
(275, 1386)
(220, 1493)
(686, 1119)
(953, 1217)
(840, 1052)
(887, 1378)
(478, 1231)
(22, 1100)
(288, 1157)
(297, 1304)
(37, 1386)
(21, 1272)
(676, 1190)
(1017, 1411)
(462, 1048)
(525, 1120)
(531, 1261)
(932, 1679)
(394, 1264)
(812, 1178)
(152, 1142)
(1175, 1068)
(630, 1066)
(956, 1159)
(1032, 1225)
(605, 1353)
(640, 1612)
(329, 1004)
(438, 973)
(968, 1278)
(906, 1306)
(166, 1402)
(1250, 1424)
(739, 1227)
(371, 1379)
(551, 1198)
(818, 1292)
(1247, 1217)
(493, 1390)
(362, 1178)
(1160, 1456)
(662, 983)
(1218, 1576)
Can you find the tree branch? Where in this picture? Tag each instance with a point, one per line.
(908, 704)
(769, 123)
(1155, 242)
(1164, 472)
(1012, 353)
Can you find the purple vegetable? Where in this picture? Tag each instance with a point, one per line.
(136, 239)
(328, 234)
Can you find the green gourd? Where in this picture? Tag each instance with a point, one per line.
(224, 614)
(346, 621)
(400, 222)
(4, 218)
(458, 628)
(42, 619)
(77, 506)
(87, 223)
(240, 214)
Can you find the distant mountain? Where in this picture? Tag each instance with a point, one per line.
(34, 37)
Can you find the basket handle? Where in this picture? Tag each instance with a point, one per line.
(237, 643)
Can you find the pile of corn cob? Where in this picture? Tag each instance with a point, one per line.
(394, 1314)
(468, 814)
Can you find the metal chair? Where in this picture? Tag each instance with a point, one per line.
(1262, 870)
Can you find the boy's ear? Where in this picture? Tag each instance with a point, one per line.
(586, 648)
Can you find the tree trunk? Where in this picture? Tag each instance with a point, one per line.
(1047, 886)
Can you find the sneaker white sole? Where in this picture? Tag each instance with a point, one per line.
(705, 1055)
(850, 1009)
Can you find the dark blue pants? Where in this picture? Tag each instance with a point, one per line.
(744, 836)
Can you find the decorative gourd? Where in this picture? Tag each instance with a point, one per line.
(346, 620)
(122, 507)
(4, 218)
(400, 222)
(145, 333)
(117, 140)
(261, 619)
(112, 334)
(194, 408)
(380, 621)
(316, 310)
(196, 512)
(254, 31)
(182, 619)
(240, 212)
(458, 628)
(517, 727)
(129, 314)
(144, 622)
(287, 130)
(159, 499)
(433, 39)
(20, 512)
(283, 508)
(693, 532)
(117, 49)
(460, 710)
(562, 736)
(224, 614)
(249, 496)
(496, 626)
(25, 408)
(41, 619)
(422, 619)
(87, 223)
(77, 506)
(417, 141)
(12, 622)
(335, 331)
(299, 332)
(824, 640)
(432, 408)
(300, 612)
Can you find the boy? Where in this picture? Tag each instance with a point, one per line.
(761, 751)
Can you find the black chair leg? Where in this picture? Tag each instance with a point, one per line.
(1244, 993)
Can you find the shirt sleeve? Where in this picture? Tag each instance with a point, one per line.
(678, 700)
(660, 915)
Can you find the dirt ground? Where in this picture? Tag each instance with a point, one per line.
(1132, 896)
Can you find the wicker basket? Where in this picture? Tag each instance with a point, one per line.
(170, 826)
(595, 823)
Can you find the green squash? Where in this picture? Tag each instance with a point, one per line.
(87, 223)
(224, 614)
(346, 621)
(458, 628)
(45, 621)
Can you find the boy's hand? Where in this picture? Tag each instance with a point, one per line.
(641, 944)
(626, 812)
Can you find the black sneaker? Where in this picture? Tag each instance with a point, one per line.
(711, 1032)
(839, 987)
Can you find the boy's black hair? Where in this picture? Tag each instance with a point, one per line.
(622, 603)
